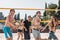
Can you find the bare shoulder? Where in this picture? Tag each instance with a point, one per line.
(8, 16)
(49, 22)
(34, 18)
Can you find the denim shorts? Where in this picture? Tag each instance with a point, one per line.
(52, 35)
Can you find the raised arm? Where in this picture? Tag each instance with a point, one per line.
(45, 26)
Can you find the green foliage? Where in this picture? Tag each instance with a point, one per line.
(47, 14)
(52, 6)
(25, 16)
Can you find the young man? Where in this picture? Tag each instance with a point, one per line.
(27, 24)
(9, 25)
(36, 26)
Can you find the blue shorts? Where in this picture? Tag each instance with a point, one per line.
(52, 36)
(7, 31)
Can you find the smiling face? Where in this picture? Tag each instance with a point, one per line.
(12, 12)
(38, 13)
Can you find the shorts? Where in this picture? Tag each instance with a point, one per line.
(19, 30)
(7, 31)
(52, 36)
(36, 33)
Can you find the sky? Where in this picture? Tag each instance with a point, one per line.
(25, 4)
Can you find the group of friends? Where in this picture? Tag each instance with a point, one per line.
(26, 26)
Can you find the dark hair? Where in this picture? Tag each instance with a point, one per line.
(55, 21)
(29, 16)
(52, 24)
(12, 10)
(38, 12)
(21, 20)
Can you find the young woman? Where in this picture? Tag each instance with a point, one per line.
(20, 29)
(52, 27)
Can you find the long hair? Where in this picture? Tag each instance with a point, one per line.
(52, 24)
(20, 21)
(55, 21)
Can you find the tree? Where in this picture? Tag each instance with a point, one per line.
(58, 13)
(48, 13)
(15, 17)
(18, 16)
(25, 16)
(52, 6)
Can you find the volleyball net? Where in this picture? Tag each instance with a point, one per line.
(30, 9)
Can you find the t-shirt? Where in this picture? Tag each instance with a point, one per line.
(27, 24)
